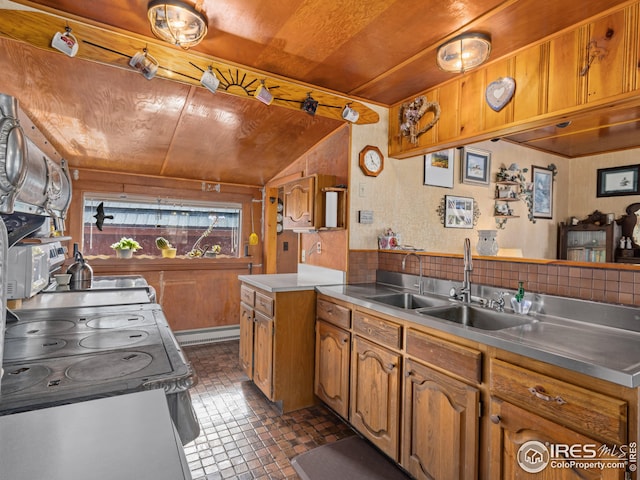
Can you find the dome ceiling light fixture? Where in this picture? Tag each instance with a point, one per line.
(464, 52)
(177, 22)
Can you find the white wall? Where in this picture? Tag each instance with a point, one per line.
(399, 199)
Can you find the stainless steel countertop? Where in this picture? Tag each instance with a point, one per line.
(602, 351)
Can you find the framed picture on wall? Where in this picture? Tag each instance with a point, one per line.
(459, 212)
(618, 181)
(476, 166)
(542, 199)
(438, 168)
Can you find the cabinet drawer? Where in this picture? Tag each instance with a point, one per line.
(264, 304)
(382, 331)
(247, 295)
(463, 361)
(578, 408)
(332, 313)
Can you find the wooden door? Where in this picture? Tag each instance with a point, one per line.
(375, 394)
(512, 427)
(440, 426)
(263, 354)
(298, 199)
(331, 382)
(246, 339)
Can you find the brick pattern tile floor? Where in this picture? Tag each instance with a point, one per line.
(242, 435)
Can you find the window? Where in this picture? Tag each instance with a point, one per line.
(188, 225)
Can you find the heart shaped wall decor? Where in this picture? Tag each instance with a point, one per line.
(499, 93)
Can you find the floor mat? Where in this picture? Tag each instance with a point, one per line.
(352, 458)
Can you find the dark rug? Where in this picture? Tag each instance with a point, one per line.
(351, 458)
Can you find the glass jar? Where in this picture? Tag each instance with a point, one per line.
(487, 243)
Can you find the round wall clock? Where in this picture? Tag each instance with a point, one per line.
(371, 161)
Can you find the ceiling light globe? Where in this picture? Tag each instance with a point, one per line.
(464, 52)
(176, 22)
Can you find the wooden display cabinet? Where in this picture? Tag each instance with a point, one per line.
(587, 242)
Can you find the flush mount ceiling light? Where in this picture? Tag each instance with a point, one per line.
(464, 52)
(177, 22)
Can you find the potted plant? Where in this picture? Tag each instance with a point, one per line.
(213, 251)
(167, 250)
(125, 247)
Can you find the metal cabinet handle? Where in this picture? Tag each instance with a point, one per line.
(495, 419)
(539, 392)
(391, 366)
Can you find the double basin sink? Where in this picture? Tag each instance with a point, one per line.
(443, 309)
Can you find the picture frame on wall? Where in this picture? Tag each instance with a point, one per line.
(542, 194)
(438, 168)
(618, 181)
(476, 166)
(459, 212)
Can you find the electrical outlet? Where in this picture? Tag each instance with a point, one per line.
(319, 247)
(303, 256)
(362, 190)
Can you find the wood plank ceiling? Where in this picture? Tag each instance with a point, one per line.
(378, 51)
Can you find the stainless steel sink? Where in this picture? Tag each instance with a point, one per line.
(409, 300)
(477, 317)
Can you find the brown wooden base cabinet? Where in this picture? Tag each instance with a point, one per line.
(440, 438)
(418, 395)
(333, 349)
(277, 344)
(375, 394)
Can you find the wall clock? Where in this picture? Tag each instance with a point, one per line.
(371, 161)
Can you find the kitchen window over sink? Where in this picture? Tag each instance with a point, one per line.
(145, 218)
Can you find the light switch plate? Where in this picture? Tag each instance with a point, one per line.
(365, 216)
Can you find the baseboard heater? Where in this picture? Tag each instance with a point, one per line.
(208, 335)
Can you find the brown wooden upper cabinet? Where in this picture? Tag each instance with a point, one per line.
(563, 76)
(304, 202)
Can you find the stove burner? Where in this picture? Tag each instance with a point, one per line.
(108, 366)
(113, 339)
(42, 327)
(21, 378)
(116, 321)
(21, 348)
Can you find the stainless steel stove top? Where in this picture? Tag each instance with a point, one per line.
(71, 354)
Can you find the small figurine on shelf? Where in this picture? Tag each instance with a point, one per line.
(623, 243)
(629, 243)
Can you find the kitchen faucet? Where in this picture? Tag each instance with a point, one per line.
(468, 267)
(404, 261)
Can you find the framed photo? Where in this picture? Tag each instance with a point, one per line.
(476, 166)
(438, 168)
(542, 199)
(459, 212)
(618, 181)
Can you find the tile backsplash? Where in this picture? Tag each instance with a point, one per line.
(605, 284)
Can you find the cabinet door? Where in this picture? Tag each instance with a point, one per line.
(512, 427)
(331, 382)
(375, 394)
(263, 354)
(298, 203)
(440, 435)
(608, 42)
(246, 339)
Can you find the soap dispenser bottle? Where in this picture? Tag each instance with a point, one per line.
(520, 294)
